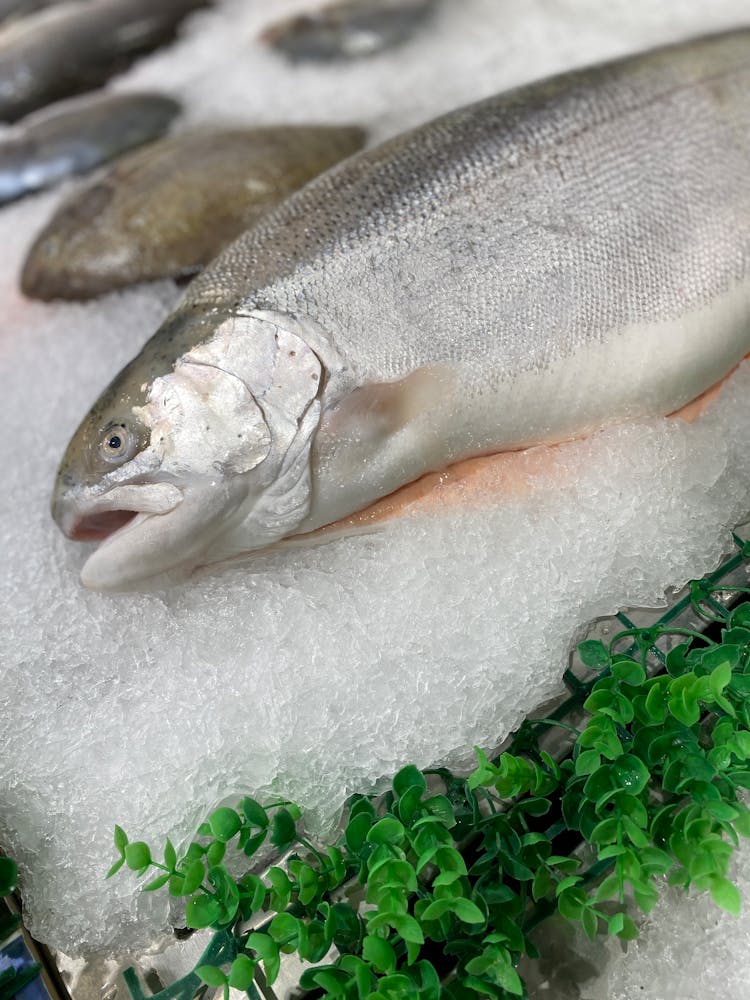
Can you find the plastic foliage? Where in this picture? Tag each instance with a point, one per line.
(12, 979)
(453, 881)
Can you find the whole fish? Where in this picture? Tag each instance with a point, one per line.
(348, 29)
(77, 135)
(166, 210)
(76, 46)
(523, 270)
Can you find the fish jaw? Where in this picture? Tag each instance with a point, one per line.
(151, 545)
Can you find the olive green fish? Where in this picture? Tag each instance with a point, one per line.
(520, 271)
(76, 46)
(77, 135)
(166, 210)
(348, 29)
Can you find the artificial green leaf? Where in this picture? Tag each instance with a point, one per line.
(227, 893)
(356, 831)
(408, 777)
(388, 830)
(284, 929)
(215, 852)
(338, 867)
(332, 980)
(242, 973)
(254, 812)
(137, 855)
(283, 829)
(629, 930)
(170, 855)
(309, 884)
(590, 922)
(676, 663)
(467, 912)
(541, 884)
(345, 927)
(409, 805)
(610, 888)
(628, 672)
(251, 845)
(588, 761)
(379, 952)
(225, 823)
(263, 944)
(437, 908)
(4, 890)
(201, 911)
(211, 975)
(725, 895)
(282, 888)
(194, 874)
(594, 654)
(158, 882)
(439, 807)
(605, 832)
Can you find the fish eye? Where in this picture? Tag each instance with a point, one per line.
(118, 443)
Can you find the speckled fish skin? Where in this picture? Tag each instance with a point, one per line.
(523, 270)
(77, 135)
(77, 46)
(349, 29)
(168, 209)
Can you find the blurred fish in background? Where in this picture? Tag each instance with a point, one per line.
(77, 135)
(348, 29)
(166, 210)
(77, 46)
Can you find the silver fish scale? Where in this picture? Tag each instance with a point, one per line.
(513, 232)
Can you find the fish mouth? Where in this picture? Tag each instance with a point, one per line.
(99, 519)
(99, 526)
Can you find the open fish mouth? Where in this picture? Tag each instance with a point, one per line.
(98, 527)
(100, 519)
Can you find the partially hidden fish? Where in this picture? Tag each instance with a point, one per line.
(20, 8)
(168, 209)
(77, 135)
(520, 271)
(77, 46)
(348, 29)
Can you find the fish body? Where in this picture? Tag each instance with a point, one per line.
(20, 8)
(77, 135)
(349, 29)
(76, 46)
(520, 271)
(166, 210)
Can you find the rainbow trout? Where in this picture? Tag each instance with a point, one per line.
(519, 271)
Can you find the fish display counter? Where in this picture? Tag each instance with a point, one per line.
(315, 670)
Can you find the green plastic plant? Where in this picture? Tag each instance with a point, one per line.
(8, 876)
(453, 878)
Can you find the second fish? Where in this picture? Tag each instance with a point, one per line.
(168, 209)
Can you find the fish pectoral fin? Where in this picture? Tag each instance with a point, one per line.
(377, 410)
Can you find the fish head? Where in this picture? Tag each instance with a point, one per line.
(196, 464)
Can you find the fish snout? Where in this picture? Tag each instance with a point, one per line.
(92, 520)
